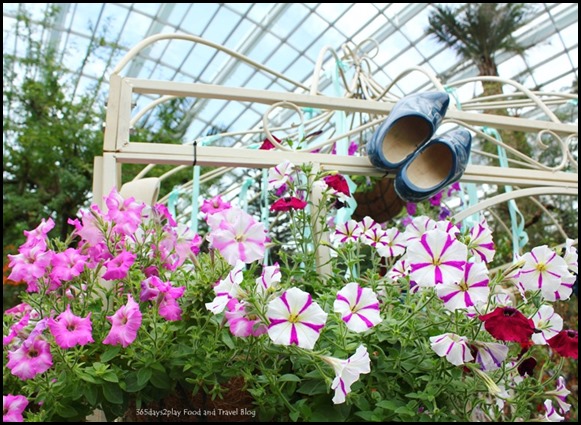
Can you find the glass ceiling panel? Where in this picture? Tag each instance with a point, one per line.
(286, 37)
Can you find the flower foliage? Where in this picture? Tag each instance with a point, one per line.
(395, 322)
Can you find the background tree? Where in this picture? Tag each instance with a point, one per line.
(477, 33)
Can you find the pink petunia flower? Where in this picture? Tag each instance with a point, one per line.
(453, 347)
(480, 242)
(436, 257)
(67, 265)
(358, 307)
(38, 236)
(30, 359)
(347, 372)
(470, 291)
(214, 205)
(70, 330)
(118, 267)
(237, 235)
(295, 319)
(548, 323)
(240, 322)
(12, 407)
(29, 265)
(164, 294)
(288, 203)
(88, 228)
(125, 214)
(126, 323)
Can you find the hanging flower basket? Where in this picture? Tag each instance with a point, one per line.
(380, 202)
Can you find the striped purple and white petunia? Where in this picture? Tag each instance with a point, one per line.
(570, 256)
(228, 288)
(561, 392)
(270, 278)
(490, 355)
(436, 257)
(563, 291)
(481, 244)
(347, 372)
(418, 227)
(358, 307)
(548, 323)
(278, 176)
(469, 292)
(346, 232)
(295, 319)
(551, 414)
(395, 244)
(453, 347)
(543, 269)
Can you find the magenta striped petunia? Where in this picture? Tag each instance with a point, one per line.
(346, 232)
(358, 307)
(347, 372)
(543, 270)
(469, 292)
(295, 319)
(481, 244)
(548, 323)
(436, 257)
(278, 176)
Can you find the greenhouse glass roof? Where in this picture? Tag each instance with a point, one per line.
(286, 37)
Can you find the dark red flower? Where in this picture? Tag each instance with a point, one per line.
(565, 343)
(337, 182)
(287, 204)
(267, 144)
(527, 366)
(508, 324)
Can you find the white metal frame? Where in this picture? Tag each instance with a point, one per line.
(531, 177)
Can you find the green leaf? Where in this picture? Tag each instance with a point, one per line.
(143, 376)
(110, 376)
(390, 404)
(91, 394)
(87, 377)
(404, 410)
(227, 339)
(131, 384)
(366, 415)
(160, 380)
(110, 353)
(313, 387)
(113, 393)
(67, 411)
(289, 377)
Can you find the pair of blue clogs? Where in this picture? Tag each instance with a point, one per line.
(403, 143)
